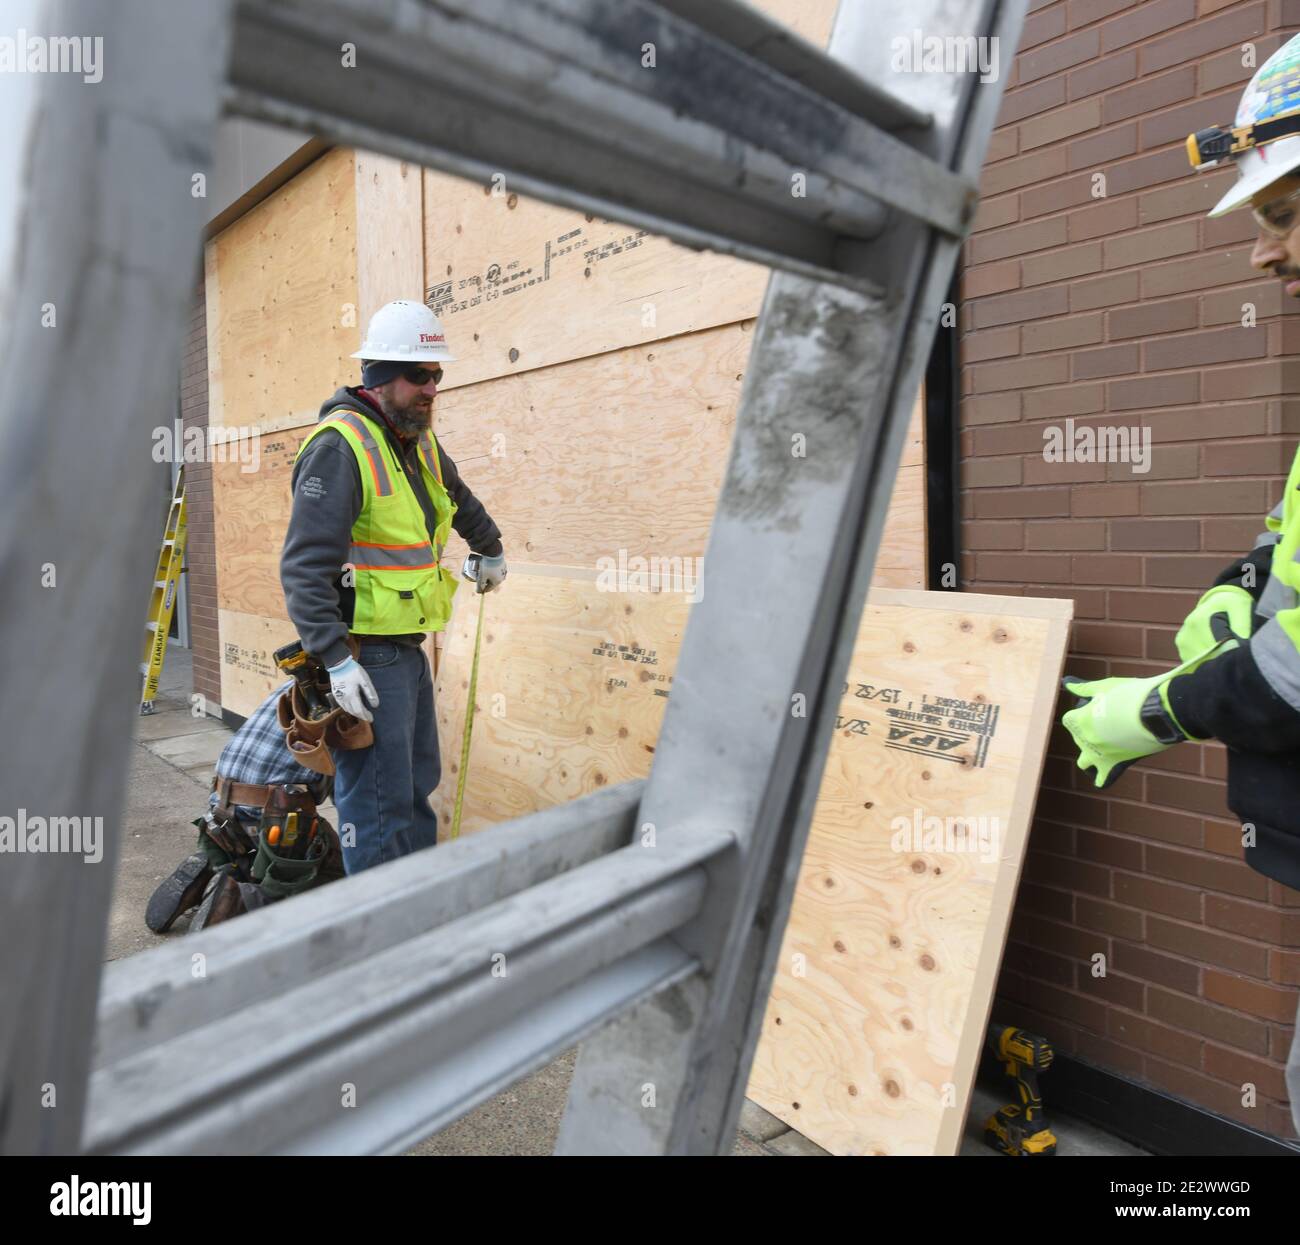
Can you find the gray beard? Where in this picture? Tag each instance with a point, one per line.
(409, 423)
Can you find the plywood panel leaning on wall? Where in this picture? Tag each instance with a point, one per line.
(886, 976)
(882, 991)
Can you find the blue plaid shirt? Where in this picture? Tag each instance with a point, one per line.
(258, 754)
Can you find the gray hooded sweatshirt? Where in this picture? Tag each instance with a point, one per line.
(327, 497)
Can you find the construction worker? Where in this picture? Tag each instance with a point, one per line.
(1239, 681)
(225, 877)
(374, 499)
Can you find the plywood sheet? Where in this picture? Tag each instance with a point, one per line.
(248, 673)
(883, 988)
(901, 558)
(886, 977)
(624, 450)
(282, 301)
(520, 284)
(571, 691)
(250, 517)
(390, 233)
(618, 452)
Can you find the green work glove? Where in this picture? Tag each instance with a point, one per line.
(1120, 721)
(1223, 613)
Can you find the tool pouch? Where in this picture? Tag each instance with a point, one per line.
(311, 741)
(304, 737)
(279, 876)
(221, 837)
(284, 869)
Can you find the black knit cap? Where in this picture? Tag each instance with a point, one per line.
(376, 372)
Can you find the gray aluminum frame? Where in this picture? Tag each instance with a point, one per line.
(644, 920)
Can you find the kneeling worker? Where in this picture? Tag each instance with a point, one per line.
(257, 780)
(374, 499)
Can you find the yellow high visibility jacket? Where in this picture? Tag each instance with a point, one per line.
(1249, 697)
(399, 584)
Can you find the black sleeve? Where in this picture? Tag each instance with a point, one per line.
(327, 498)
(1261, 559)
(471, 521)
(1229, 699)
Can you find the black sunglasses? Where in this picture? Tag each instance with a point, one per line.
(423, 375)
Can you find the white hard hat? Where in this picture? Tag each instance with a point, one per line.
(406, 332)
(1272, 95)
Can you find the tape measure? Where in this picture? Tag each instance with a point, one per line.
(469, 720)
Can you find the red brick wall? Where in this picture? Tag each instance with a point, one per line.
(1125, 308)
(201, 553)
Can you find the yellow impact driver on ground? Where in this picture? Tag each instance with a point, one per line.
(1020, 1128)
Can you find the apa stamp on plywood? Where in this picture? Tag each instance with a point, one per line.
(514, 276)
(250, 660)
(940, 725)
(642, 657)
(932, 726)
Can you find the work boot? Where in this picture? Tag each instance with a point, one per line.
(178, 893)
(223, 900)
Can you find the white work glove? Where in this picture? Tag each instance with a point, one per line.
(350, 684)
(484, 571)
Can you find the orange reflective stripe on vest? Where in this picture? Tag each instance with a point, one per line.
(398, 585)
(378, 472)
(368, 556)
(433, 459)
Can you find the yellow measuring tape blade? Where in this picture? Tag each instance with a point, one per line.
(469, 721)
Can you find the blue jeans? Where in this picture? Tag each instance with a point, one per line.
(382, 792)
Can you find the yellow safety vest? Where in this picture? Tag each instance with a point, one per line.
(400, 586)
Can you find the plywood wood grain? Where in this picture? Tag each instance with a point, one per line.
(886, 976)
(618, 452)
(901, 558)
(571, 690)
(250, 517)
(248, 673)
(520, 284)
(390, 233)
(282, 282)
(624, 450)
(883, 988)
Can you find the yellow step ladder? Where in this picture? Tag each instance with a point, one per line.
(162, 601)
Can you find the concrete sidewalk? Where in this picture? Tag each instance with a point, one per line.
(172, 759)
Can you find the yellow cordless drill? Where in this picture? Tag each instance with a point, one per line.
(1020, 1128)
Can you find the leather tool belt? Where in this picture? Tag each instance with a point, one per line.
(311, 740)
